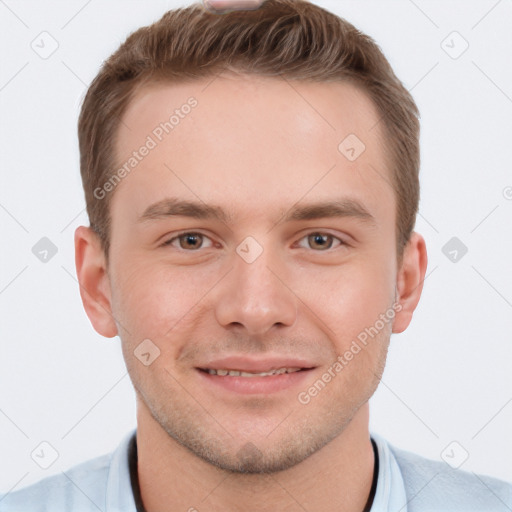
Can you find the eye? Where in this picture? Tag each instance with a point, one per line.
(192, 241)
(188, 241)
(321, 241)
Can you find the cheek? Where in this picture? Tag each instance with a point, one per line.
(348, 298)
(153, 301)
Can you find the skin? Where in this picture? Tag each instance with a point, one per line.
(227, 5)
(255, 147)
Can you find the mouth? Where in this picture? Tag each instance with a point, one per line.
(255, 377)
(244, 373)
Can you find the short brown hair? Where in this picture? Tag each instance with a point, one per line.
(293, 39)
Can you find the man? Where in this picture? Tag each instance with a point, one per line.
(251, 179)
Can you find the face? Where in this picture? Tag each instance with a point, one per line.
(247, 239)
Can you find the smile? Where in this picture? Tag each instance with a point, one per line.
(242, 373)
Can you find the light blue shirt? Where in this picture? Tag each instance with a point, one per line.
(406, 483)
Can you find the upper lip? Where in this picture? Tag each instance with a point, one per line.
(247, 364)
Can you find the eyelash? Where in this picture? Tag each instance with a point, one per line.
(180, 235)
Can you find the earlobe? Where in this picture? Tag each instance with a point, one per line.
(410, 279)
(94, 281)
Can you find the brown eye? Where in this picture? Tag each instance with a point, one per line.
(188, 241)
(321, 241)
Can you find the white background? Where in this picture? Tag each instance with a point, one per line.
(448, 376)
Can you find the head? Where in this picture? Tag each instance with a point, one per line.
(251, 180)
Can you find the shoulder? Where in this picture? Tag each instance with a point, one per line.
(435, 486)
(81, 488)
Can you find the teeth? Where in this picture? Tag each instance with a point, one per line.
(239, 373)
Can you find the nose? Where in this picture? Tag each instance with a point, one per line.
(255, 296)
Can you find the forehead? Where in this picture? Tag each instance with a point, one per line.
(253, 144)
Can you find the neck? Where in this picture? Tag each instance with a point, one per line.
(336, 478)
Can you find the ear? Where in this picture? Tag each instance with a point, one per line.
(409, 282)
(94, 281)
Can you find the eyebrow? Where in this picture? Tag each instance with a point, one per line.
(344, 207)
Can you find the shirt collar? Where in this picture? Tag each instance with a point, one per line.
(390, 494)
(119, 490)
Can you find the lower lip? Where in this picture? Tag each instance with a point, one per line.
(257, 385)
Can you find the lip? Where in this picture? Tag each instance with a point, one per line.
(247, 364)
(256, 385)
